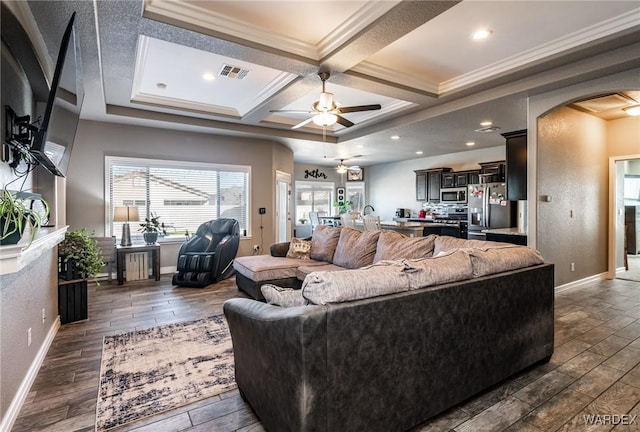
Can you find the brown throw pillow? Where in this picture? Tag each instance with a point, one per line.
(394, 246)
(324, 242)
(299, 248)
(355, 248)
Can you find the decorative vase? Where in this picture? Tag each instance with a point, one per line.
(150, 237)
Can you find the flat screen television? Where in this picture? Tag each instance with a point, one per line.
(53, 141)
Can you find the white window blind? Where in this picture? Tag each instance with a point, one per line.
(182, 194)
(313, 197)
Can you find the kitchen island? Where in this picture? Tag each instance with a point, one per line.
(513, 235)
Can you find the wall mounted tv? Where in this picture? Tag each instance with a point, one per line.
(53, 141)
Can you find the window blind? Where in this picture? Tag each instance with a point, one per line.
(182, 194)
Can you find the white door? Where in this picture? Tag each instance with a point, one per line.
(283, 206)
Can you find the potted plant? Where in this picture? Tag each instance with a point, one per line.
(79, 256)
(151, 227)
(343, 206)
(15, 216)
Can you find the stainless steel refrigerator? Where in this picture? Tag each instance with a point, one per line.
(489, 209)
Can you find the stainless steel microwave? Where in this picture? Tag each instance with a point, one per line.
(453, 196)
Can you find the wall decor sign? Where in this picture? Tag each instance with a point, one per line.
(314, 173)
(354, 174)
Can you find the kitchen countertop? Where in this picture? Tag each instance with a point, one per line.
(508, 231)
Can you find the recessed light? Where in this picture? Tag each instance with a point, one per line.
(161, 85)
(209, 76)
(470, 143)
(395, 137)
(486, 123)
(632, 110)
(482, 34)
(419, 152)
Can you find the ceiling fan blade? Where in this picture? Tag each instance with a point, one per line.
(344, 110)
(344, 122)
(357, 108)
(302, 123)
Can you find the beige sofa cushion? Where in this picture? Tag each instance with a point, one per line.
(498, 259)
(260, 268)
(304, 270)
(355, 248)
(324, 242)
(383, 278)
(285, 297)
(447, 243)
(448, 267)
(393, 246)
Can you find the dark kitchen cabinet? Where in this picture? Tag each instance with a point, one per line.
(428, 183)
(449, 180)
(516, 175)
(632, 226)
(421, 185)
(473, 177)
(492, 172)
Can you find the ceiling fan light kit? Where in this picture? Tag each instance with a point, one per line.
(325, 112)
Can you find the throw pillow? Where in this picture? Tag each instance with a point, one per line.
(285, 297)
(355, 248)
(299, 248)
(324, 242)
(394, 246)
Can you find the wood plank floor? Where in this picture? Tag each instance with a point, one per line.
(595, 369)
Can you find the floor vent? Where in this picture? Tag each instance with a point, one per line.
(235, 72)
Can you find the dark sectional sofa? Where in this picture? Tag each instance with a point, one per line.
(386, 346)
(388, 363)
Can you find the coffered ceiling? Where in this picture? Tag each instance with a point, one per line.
(222, 67)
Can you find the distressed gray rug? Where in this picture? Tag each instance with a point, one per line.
(149, 371)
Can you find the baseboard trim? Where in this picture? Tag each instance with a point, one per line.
(16, 404)
(575, 284)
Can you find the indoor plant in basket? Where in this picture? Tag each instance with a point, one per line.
(15, 216)
(79, 256)
(151, 227)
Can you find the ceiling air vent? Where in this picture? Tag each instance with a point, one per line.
(488, 129)
(235, 72)
(604, 103)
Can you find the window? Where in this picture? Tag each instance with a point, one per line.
(355, 193)
(183, 194)
(313, 197)
(631, 189)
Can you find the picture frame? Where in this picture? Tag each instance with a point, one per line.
(354, 174)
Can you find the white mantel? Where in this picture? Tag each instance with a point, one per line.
(13, 258)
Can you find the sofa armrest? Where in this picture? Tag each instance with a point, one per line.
(279, 249)
(282, 350)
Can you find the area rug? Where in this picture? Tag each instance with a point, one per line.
(146, 372)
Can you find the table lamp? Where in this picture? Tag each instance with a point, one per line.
(125, 214)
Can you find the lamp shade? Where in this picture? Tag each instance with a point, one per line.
(125, 214)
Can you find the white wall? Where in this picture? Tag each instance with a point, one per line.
(393, 185)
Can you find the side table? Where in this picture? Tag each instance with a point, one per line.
(123, 251)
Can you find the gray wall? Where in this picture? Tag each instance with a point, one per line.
(573, 170)
(95, 140)
(22, 295)
(550, 228)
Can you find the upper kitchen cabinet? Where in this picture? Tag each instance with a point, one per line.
(428, 183)
(516, 176)
(460, 178)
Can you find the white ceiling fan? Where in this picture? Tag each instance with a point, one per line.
(342, 168)
(325, 112)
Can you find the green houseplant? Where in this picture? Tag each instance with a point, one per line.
(151, 227)
(15, 216)
(79, 255)
(343, 206)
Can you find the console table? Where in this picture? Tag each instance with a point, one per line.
(123, 251)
